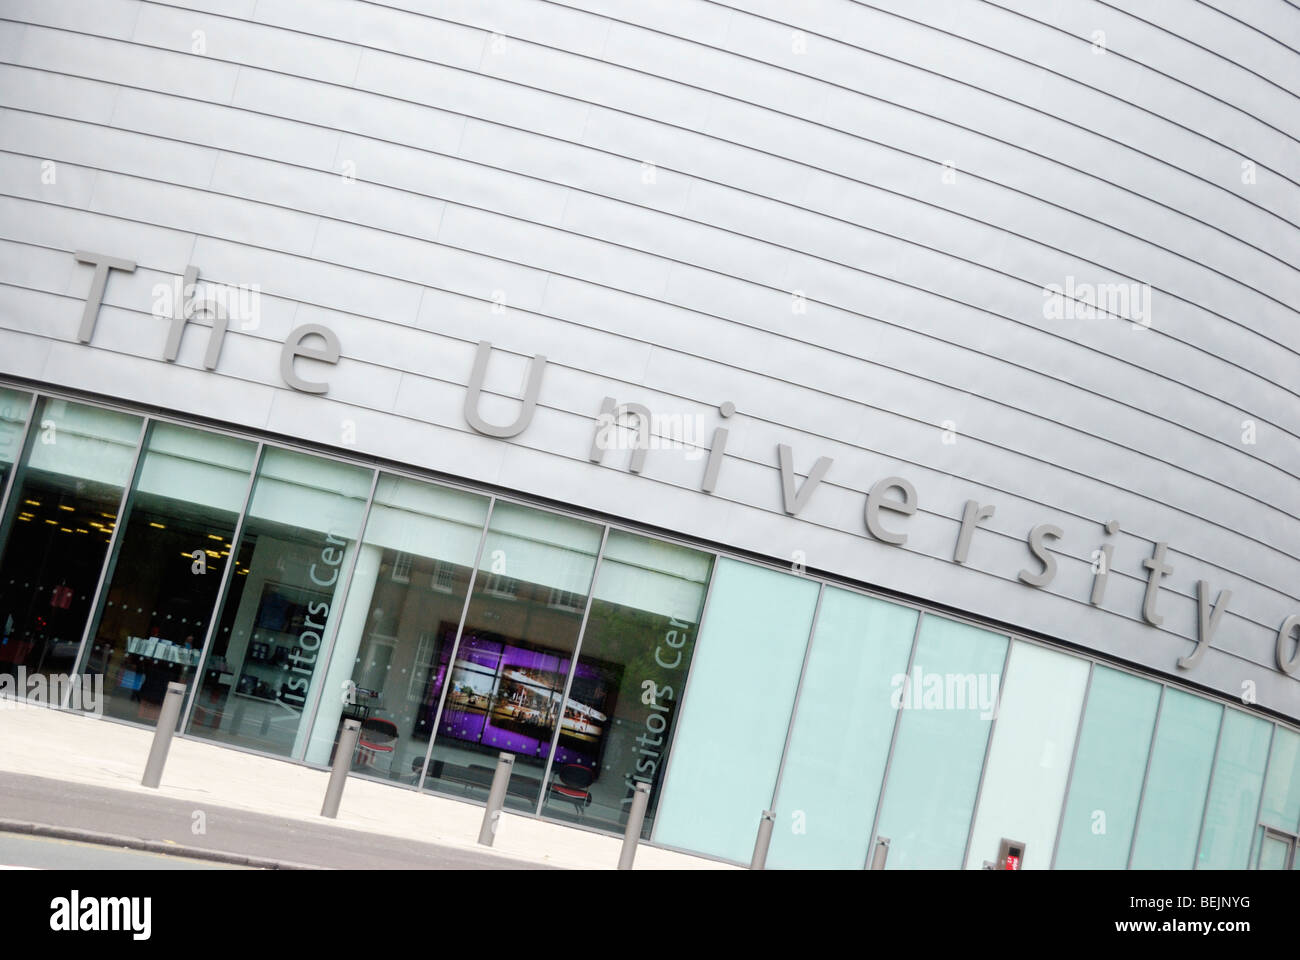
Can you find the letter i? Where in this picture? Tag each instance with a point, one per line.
(717, 450)
(1101, 565)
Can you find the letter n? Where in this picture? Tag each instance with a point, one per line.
(607, 422)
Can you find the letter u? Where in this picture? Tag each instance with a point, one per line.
(536, 368)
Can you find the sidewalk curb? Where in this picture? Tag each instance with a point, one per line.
(151, 846)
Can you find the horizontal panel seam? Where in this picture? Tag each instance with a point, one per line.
(1116, 444)
(1172, 35)
(618, 244)
(1231, 277)
(885, 278)
(894, 457)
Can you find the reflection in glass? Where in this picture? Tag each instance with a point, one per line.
(394, 640)
(733, 724)
(842, 730)
(1101, 810)
(1276, 852)
(261, 672)
(14, 405)
(1281, 804)
(1029, 759)
(627, 687)
(1170, 819)
(1234, 793)
(58, 524)
(504, 689)
(948, 706)
(174, 547)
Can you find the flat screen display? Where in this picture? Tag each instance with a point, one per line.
(504, 694)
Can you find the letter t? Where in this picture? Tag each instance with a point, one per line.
(1156, 568)
(103, 263)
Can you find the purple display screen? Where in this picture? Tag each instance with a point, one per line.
(506, 695)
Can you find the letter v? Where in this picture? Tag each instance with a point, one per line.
(794, 502)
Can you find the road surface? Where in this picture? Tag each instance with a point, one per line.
(59, 803)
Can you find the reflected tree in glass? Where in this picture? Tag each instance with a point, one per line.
(627, 687)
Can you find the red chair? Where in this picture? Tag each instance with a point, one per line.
(574, 781)
(378, 738)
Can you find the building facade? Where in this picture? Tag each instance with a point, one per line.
(879, 414)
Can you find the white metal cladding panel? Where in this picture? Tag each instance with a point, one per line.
(645, 185)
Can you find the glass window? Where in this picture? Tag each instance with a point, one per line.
(1281, 806)
(1169, 821)
(394, 640)
(14, 405)
(948, 702)
(627, 688)
(1029, 759)
(163, 582)
(843, 725)
(298, 539)
(1276, 852)
(1097, 829)
(58, 525)
(1234, 793)
(734, 722)
(512, 662)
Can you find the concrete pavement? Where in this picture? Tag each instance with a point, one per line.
(202, 777)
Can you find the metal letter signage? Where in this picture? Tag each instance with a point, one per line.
(893, 494)
(536, 367)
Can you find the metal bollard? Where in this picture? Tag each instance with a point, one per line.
(162, 735)
(765, 824)
(632, 834)
(880, 854)
(496, 798)
(346, 749)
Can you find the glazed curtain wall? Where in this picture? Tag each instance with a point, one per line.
(290, 592)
